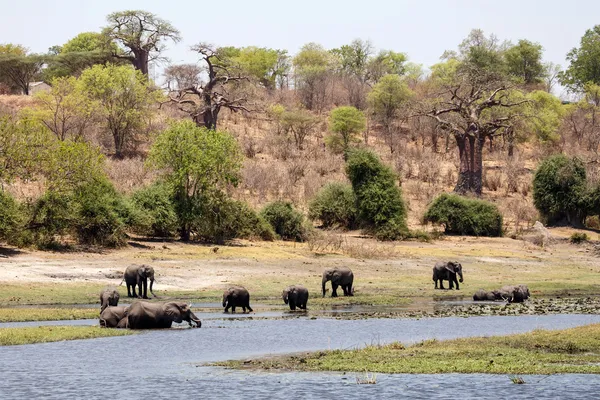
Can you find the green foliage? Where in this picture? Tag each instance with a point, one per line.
(524, 61)
(381, 209)
(347, 122)
(18, 70)
(297, 123)
(52, 215)
(200, 164)
(387, 99)
(287, 222)
(464, 216)
(122, 98)
(263, 64)
(103, 215)
(88, 42)
(11, 218)
(547, 114)
(70, 164)
(559, 190)
(584, 61)
(335, 206)
(387, 62)
(155, 202)
(578, 238)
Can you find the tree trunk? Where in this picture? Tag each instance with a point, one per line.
(184, 233)
(471, 164)
(140, 61)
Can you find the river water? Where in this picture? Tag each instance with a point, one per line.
(169, 364)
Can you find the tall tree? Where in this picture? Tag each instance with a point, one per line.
(182, 76)
(122, 98)
(267, 66)
(524, 61)
(584, 61)
(141, 34)
(353, 61)
(385, 63)
(18, 68)
(345, 122)
(204, 100)
(312, 68)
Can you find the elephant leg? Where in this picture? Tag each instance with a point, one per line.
(145, 294)
(244, 309)
(292, 305)
(334, 287)
(456, 282)
(436, 283)
(227, 308)
(128, 290)
(134, 294)
(233, 309)
(249, 308)
(349, 288)
(442, 284)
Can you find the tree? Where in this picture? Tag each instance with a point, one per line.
(525, 62)
(583, 118)
(300, 123)
(204, 100)
(65, 110)
(201, 162)
(386, 101)
(312, 67)
(141, 35)
(468, 92)
(18, 68)
(122, 98)
(347, 122)
(387, 62)
(584, 61)
(267, 66)
(182, 76)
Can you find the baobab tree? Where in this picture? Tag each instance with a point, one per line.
(203, 100)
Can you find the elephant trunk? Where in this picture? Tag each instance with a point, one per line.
(151, 284)
(461, 276)
(195, 319)
(224, 300)
(285, 297)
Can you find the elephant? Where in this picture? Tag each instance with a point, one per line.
(114, 317)
(482, 295)
(447, 271)
(339, 276)
(236, 296)
(108, 297)
(147, 315)
(138, 275)
(295, 295)
(514, 293)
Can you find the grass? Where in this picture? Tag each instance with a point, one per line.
(575, 350)
(46, 314)
(50, 293)
(44, 334)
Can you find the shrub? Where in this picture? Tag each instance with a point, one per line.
(103, 214)
(11, 219)
(156, 203)
(53, 214)
(287, 222)
(464, 216)
(381, 209)
(579, 237)
(334, 205)
(559, 190)
(346, 122)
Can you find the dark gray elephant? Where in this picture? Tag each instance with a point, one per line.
(236, 296)
(447, 271)
(339, 276)
(482, 295)
(108, 297)
(139, 275)
(114, 317)
(514, 293)
(295, 296)
(147, 315)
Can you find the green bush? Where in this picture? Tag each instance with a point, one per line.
(381, 209)
(225, 219)
(559, 191)
(155, 202)
(335, 206)
(103, 215)
(11, 219)
(52, 215)
(579, 237)
(287, 222)
(464, 216)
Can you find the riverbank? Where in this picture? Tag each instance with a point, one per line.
(575, 350)
(45, 334)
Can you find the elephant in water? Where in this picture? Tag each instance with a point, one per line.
(108, 297)
(139, 275)
(339, 276)
(447, 271)
(514, 293)
(295, 296)
(482, 295)
(114, 317)
(236, 296)
(146, 315)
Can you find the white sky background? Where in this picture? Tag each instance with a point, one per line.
(421, 29)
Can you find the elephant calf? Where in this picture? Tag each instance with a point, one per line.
(108, 297)
(339, 276)
(236, 296)
(295, 296)
(447, 271)
(114, 317)
(146, 315)
(509, 293)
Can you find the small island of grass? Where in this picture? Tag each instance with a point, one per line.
(44, 334)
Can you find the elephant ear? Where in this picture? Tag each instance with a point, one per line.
(450, 266)
(174, 312)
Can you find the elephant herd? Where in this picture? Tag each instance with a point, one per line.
(450, 270)
(148, 315)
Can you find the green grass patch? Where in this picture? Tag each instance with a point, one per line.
(46, 314)
(575, 350)
(50, 293)
(44, 334)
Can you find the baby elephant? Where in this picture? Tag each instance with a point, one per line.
(114, 317)
(295, 296)
(236, 296)
(108, 297)
(482, 295)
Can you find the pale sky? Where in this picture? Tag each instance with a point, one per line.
(421, 29)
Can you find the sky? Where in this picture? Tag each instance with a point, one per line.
(420, 29)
